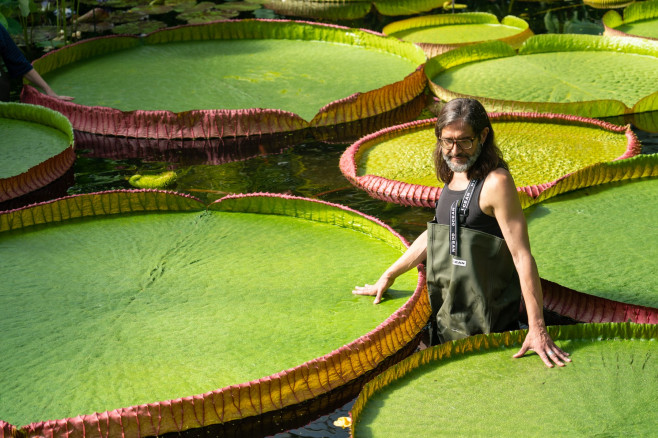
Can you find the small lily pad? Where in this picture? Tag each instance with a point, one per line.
(138, 27)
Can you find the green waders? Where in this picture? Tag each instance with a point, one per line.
(471, 278)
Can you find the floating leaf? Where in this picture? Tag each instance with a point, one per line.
(153, 285)
(121, 3)
(138, 27)
(571, 74)
(580, 240)
(127, 16)
(36, 147)
(640, 20)
(396, 164)
(327, 10)
(439, 33)
(152, 9)
(239, 6)
(407, 7)
(608, 4)
(206, 16)
(231, 78)
(433, 389)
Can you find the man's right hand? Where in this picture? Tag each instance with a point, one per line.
(377, 290)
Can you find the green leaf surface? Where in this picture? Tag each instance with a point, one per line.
(476, 388)
(640, 19)
(407, 7)
(537, 152)
(458, 33)
(574, 74)
(557, 77)
(30, 135)
(288, 74)
(646, 28)
(455, 28)
(328, 10)
(138, 27)
(600, 240)
(108, 312)
(26, 144)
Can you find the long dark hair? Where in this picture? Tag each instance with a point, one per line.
(472, 113)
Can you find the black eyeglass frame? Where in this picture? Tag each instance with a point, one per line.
(453, 141)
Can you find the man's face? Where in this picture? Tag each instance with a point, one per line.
(457, 158)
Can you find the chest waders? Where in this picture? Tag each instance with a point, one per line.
(472, 282)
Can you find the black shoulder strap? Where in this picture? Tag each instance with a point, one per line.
(455, 219)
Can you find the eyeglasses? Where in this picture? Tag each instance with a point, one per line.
(463, 143)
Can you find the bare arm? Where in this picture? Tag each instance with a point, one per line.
(509, 214)
(412, 257)
(34, 77)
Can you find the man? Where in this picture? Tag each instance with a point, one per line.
(17, 66)
(477, 247)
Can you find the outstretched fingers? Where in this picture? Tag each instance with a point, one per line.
(367, 289)
(549, 354)
(371, 290)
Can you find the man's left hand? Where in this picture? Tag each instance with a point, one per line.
(539, 341)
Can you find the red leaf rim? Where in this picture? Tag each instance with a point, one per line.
(216, 123)
(425, 196)
(40, 175)
(589, 308)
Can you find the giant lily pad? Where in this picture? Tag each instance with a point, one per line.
(640, 20)
(587, 75)
(36, 146)
(396, 164)
(582, 241)
(350, 9)
(439, 33)
(608, 4)
(230, 78)
(146, 299)
(327, 10)
(609, 388)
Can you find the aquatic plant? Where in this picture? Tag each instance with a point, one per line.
(580, 240)
(36, 147)
(268, 76)
(437, 34)
(640, 20)
(433, 389)
(155, 284)
(552, 73)
(544, 151)
(350, 9)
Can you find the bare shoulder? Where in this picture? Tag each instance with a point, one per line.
(498, 190)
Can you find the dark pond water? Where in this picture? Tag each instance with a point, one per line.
(309, 168)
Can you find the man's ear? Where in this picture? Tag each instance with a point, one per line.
(483, 135)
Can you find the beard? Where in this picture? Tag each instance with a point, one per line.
(456, 167)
